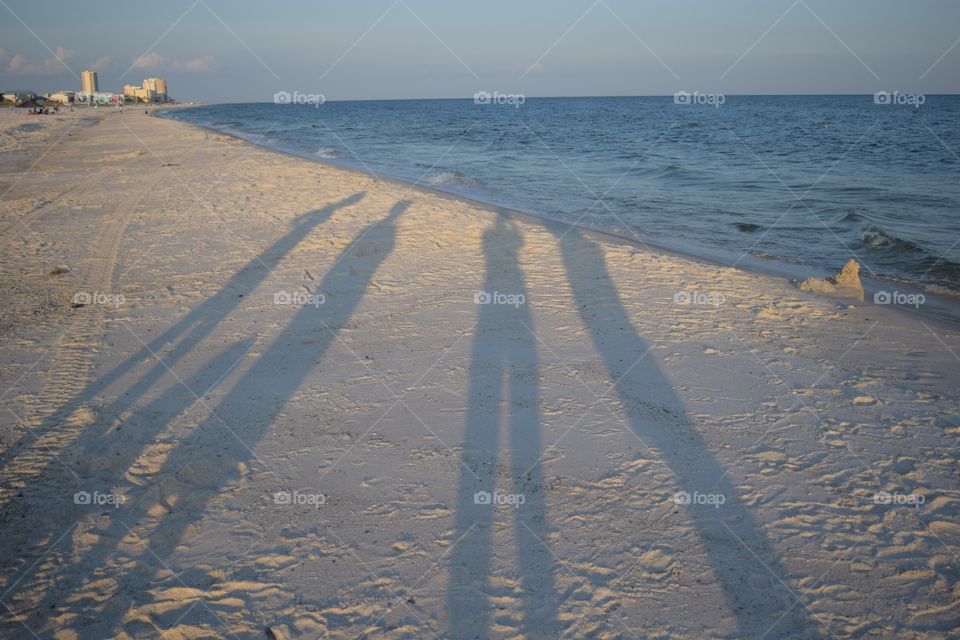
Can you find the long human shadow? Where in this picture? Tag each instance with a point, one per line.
(659, 418)
(229, 434)
(93, 442)
(504, 354)
(189, 330)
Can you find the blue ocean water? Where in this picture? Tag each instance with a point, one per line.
(804, 180)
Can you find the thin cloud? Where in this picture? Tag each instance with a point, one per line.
(101, 64)
(20, 66)
(150, 62)
(201, 64)
(154, 61)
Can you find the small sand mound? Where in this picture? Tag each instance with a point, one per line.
(846, 283)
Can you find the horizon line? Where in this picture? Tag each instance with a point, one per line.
(598, 96)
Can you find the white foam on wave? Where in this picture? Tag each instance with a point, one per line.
(450, 179)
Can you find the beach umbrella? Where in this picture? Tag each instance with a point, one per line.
(29, 104)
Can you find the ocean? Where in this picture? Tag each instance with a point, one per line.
(805, 182)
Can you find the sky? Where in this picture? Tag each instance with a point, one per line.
(247, 50)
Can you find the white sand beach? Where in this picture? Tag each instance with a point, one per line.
(270, 397)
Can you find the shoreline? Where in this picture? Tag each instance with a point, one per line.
(938, 307)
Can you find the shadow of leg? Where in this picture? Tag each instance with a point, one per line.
(185, 334)
(227, 438)
(750, 575)
(503, 352)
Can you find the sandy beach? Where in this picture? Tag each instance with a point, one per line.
(249, 395)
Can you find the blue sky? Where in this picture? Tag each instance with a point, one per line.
(244, 50)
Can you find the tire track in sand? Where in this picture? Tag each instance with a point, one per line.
(7, 234)
(71, 367)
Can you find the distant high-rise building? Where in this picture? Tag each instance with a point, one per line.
(88, 80)
(157, 86)
(153, 90)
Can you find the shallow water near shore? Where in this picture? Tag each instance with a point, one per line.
(802, 181)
